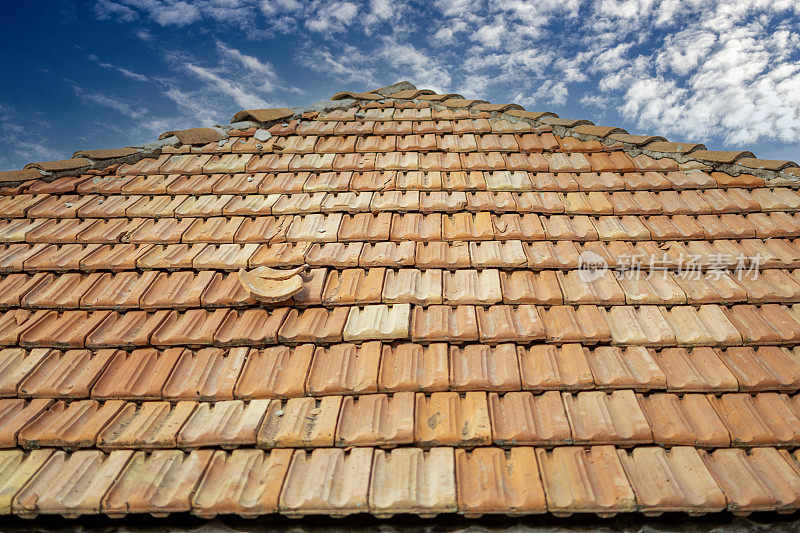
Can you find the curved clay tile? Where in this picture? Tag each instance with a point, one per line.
(262, 115)
(272, 285)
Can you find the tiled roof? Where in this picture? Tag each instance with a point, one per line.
(440, 350)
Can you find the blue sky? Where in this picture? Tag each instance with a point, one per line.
(107, 73)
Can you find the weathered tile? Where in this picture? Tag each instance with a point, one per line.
(15, 414)
(227, 423)
(150, 425)
(506, 323)
(548, 367)
(300, 422)
(765, 368)
(686, 420)
(69, 374)
(344, 368)
(587, 324)
(481, 287)
(481, 367)
(353, 286)
(314, 324)
(491, 480)
(767, 418)
(412, 286)
(413, 367)
(442, 255)
(254, 327)
(71, 484)
(275, 372)
(644, 325)
(597, 417)
(762, 479)
(497, 254)
(205, 374)
(159, 482)
(445, 418)
(15, 365)
(527, 287)
(376, 420)
(674, 480)
(378, 322)
(69, 425)
(16, 468)
(522, 418)
(438, 323)
(591, 480)
(698, 370)
(387, 254)
(246, 482)
(340, 491)
(633, 367)
(139, 374)
(410, 480)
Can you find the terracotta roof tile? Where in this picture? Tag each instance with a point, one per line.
(759, 480)
(445, 418)
(430, 490)
(519, 490)
(362, 362)
(300, 422)
(69, 374)
(522, 418)
(262, 115)
(413, 367)
(442, 306)
(607, 489)
(376, 420)
(134, 491)
(675, 480)
(71, 484)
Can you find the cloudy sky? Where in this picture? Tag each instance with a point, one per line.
(106, 73)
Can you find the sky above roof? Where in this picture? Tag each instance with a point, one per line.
(108, 73)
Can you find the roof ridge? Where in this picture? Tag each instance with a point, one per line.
(690, 155)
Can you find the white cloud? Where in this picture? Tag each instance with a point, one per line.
(106, 100)
(332, 16)
(695, 69)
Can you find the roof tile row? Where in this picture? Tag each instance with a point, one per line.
(284, 372)
(406, 480)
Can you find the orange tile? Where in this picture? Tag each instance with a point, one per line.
(300, 422)
(697, 371)
(376, 420)
(445, 418)
(344, 368)
(245, 482)
(205, 374)
(69, 374)
(159, 482)
(674, 480)
(634, 367)
(151, 425)
(493, 481)
(15, 414)
(597, 417)
(410, 480)
(71, 484)
(767, 418)
(763, 479)
(444, 323)
(413, 367)
(225, 423)
(521, 418)
(140, 374)
(276, 372)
